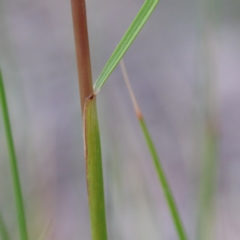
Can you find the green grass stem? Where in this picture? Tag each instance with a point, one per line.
(163, 180)
(3, 229)
(208, 29)
(206, 211)
(156, 161)
(13, 164)
(94, 172)
(92, 144)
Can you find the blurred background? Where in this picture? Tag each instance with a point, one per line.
(185, 70)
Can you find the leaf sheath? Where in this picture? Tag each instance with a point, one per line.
(94, 170)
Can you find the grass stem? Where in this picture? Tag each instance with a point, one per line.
(13, 163)
(94, 170)
(156, 161)
(92, 144)
(3, 229)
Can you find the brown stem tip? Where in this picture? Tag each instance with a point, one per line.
(82, 49)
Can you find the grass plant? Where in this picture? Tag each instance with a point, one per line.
(91, 131)
(156, 160)
(88, 103)
(92, 145)
(4, 233)
(13, 164)
(94, 170)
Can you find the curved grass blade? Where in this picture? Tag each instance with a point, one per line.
(132, 32)
(3, 229)
(13, 164)
(94, 172)
(156, 161)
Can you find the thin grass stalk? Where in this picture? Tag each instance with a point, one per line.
(92, 145)
(211, 11)
(156, 161)
(13, 164)
(208, 186)
(3, 229)
(209, 167)
(94, 170)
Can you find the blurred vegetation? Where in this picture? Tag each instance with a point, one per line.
(184, 69)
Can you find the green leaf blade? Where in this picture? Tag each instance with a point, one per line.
(156, 160)
(164, 182)
(94, 170)
(4, 233)
(208, 185)
(13, 164)
(132, 32)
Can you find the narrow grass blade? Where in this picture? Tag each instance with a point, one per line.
(94, 170)
(13, 164)
(3, 229)
(210, 12)
(156, 161)
(206, 211)
(132, 32)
